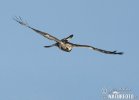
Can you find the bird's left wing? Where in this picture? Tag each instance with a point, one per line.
(97, 49)
(48, 36)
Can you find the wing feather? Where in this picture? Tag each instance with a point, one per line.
(97, 49)
(46, 35)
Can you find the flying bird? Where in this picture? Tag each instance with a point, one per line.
(64, 43)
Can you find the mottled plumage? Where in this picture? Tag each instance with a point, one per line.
(63, 44)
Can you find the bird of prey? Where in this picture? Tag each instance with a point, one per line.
(64, 43)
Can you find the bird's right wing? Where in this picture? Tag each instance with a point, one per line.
(97, 49)
(46, 35)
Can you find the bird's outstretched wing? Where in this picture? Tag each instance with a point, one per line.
(100, 50)
(48, 36)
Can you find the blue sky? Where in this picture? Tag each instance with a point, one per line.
(28, 71)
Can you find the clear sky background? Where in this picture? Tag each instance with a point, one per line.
(28, 71)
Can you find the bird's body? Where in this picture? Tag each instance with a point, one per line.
(63, 44)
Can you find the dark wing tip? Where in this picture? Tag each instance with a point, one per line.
(71, 36)
(120, 53)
